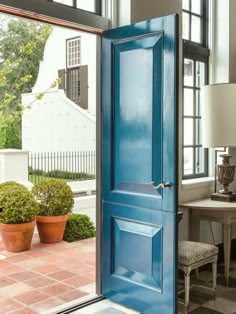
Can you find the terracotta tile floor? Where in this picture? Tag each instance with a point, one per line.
(47, 276)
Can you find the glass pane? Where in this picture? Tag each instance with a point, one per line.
(198, 134)
(196, 29)
(188, 72)
(188, 131)
(185, 31)
(185, 4)
(188, 102)
(199, 157)
(66, 2)
(196, 6)
(200, 74)
(188, 161)
(88, 5)
(197, 102)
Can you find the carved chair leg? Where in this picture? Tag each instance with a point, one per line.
(187, 288)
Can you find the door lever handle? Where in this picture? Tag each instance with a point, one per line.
(161, 185)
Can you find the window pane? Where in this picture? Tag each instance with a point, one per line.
(88, 5)
(188, 102)
(196, 29)
(188, 72)
(185, 4)
(196, 6)
(198, 132)
(188, 161)
(199, 157)
(66, 2)
(185, 31)
(188, 131)
(197, 102)
(73, 52)
(200, 74)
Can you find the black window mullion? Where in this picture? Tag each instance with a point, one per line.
(194, 160)
(205, 10)
(98, 7)
(190, 27)
(194, 113)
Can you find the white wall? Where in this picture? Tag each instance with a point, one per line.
(56, 124)
(54, 59)
(223, 64)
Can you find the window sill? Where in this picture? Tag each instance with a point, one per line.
(197, 183)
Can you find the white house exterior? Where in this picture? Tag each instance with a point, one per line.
(55, 123)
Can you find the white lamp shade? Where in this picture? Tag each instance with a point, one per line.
(218, 103)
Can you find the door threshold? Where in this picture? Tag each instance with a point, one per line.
(73, 309)
(100, 305)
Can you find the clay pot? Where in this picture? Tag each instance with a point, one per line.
(51, 228)
(17, 237)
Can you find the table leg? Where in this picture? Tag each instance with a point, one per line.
(227, 250)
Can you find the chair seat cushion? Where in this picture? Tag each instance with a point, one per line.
(192, 252)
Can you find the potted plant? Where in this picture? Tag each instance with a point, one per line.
(55, 200)
(18, 210)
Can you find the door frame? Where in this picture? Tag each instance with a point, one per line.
(58, 15)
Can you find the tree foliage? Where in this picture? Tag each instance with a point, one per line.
(21, 49)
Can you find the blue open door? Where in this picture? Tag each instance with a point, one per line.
(139, 180)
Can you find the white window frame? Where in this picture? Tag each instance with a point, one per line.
(73, 52)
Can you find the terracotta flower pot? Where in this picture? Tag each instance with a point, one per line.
(51, 228)
(17, 237)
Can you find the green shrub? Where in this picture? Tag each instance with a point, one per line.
(12, 184)
(55, 197)
(69, 175)
(66, 175)
(78, 227)
(17, 204)
(36, 172)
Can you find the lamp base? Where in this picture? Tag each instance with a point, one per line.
(223, 197)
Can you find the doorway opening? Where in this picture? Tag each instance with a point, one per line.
(50, 77)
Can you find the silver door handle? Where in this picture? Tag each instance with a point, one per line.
(161, 185)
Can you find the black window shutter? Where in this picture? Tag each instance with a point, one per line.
(61, 75)
(84, 86)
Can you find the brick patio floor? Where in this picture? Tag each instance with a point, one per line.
(47, 276)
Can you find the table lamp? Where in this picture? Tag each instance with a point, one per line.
(218, 103)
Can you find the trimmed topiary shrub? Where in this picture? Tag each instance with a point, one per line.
(17, 204)
(12, 184)
(55, 197)
(78, 227)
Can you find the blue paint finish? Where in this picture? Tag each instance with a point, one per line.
(140, 290)
(133, 122)
(139, 114)
(127, 263)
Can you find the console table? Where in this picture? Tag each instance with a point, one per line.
(222, 212)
